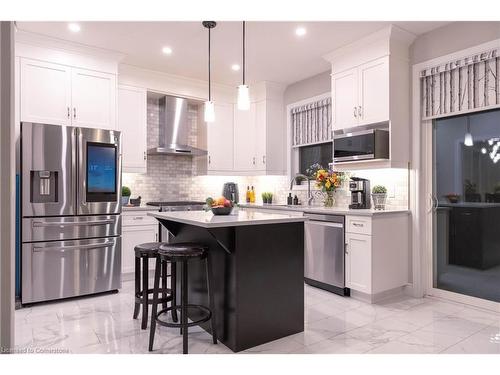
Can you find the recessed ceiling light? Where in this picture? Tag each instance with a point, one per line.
(235, 67)
(74, 27)
(167, 50)
(300, 31)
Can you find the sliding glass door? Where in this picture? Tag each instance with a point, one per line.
(466, 195)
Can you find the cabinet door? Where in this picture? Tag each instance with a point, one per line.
(345, 99)
(373, 83)
(45, 92)
(93, 97)
(244, 139)
(358, 262)
(132, 122)
(220, 140)
(261, 127)
(131, 236)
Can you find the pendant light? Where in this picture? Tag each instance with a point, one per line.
(243, 94)
(209, 104)
(468, 136)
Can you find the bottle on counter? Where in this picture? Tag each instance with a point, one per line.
(295, 200)
(252, 195)
(248, 194)
(289, 199)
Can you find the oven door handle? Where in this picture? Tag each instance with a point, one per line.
(74, 247)
(38, 224)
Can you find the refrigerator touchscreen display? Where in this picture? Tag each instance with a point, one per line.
(101, 172)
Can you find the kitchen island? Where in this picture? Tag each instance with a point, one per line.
(258, 267)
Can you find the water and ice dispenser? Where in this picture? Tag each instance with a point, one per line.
(43, 186)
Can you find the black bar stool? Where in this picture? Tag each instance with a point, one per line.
(145, 252)
(182, 253)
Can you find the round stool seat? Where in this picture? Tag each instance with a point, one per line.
(148, 249)
(184, 250)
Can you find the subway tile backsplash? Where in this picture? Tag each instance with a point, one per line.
(174, 177)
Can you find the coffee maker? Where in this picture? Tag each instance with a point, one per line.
(230, 191)
(360, 193)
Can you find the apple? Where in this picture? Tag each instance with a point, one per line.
(227, 203)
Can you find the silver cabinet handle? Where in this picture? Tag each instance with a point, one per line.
(74, 112)
(209, 161)
(345, 249)
(74, 247)
(38, 224)
(358, 225)
(360, 114)
(69, 112)
(138, 217)
(355, 112)
(145, 158)
(253, 160)
(263, 159)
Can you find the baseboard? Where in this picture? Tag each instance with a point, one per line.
(378, 297)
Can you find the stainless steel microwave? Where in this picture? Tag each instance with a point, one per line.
(363, 145)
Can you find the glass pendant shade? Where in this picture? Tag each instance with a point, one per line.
(243, 98)
(209, 111)
(468, 139)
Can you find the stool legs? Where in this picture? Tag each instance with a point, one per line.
(155, 304)
(184, 297)
(145, 266)
(137, 285)
(173, 288)
(164, 282)
(211, 301)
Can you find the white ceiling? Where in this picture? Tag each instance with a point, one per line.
(274, 52)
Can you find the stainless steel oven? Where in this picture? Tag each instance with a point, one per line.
(363, 145)
(71, 223)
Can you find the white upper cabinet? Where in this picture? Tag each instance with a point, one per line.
(245, 139)
(220, 141)
(45, 92)
(93, 99)
(345, 99)
(132, 122)
(361, 95)
(62, 95)
(373, 99)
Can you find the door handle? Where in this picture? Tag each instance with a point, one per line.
(74, 112)
(38, 224)
(263, 159)
(253, 160)
(69, 112)
(355, 112)
(360, 113)
(74, 247)
(345, 249)
(209, 161)
(145, 155)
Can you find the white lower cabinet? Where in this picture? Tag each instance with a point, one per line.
(137, 228)
(358, 262)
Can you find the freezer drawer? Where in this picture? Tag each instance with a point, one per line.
(71, 227)
(324, 252)
(61, 269)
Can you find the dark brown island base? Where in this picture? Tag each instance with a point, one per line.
(258, 268)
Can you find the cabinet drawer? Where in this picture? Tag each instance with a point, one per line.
(359, 224)
(138, 219)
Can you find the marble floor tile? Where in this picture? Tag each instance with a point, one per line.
(486, 341)
(460, 327)
(281, 346)
(340, 344)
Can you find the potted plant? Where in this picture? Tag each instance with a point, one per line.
(328, 182)
(125, 195)
(267, 198)
(379, 196)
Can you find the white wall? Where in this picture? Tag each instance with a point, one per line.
(307, 88)
(7, 187)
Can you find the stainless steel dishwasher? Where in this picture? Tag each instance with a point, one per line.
(324, 253)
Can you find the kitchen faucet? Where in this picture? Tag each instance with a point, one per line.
(303, 176)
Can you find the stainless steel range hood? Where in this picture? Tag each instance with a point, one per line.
(174, 128)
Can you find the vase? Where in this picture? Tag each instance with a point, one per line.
(379, 200)
(329, 199)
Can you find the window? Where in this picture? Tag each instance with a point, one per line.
(319, 153)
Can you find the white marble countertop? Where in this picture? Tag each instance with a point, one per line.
(324, 210)
(139, 208)
(237, 218)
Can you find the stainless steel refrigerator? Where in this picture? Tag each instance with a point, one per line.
(71, 223)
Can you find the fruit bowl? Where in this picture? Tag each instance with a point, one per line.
(221, 210)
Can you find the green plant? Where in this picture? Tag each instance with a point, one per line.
(379, 189)
(126, 191)
(497, 188)
(266, 196)
(469, 187)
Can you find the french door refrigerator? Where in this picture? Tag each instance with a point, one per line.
(71, 223)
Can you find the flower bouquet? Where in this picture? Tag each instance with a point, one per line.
(328, 181)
